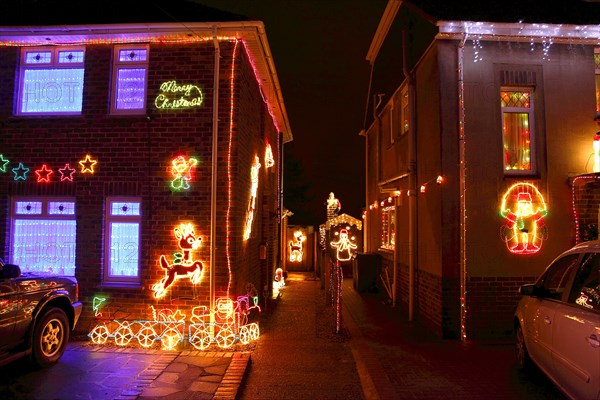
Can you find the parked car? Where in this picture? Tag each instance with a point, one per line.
(557, 322)
(37, 315)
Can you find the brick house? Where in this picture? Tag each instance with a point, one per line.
(479, 153)
(139, 154)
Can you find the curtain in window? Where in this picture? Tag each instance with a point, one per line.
(517, 141)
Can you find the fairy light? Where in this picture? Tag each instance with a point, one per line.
(66, 173)
(3, 163)
(524, 227)
(269, 160)
(477, 48)
(87, 164)
(44, 173)
(20, 172)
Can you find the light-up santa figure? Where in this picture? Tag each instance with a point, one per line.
(524, 227)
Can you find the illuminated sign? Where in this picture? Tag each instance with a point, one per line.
(523, 209)
(178, 96)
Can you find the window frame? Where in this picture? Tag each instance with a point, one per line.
(533, 170)
(44, 214)
(108, 279)
(53, 64)
(388, 216)
(118, 65)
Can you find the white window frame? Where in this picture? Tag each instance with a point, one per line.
(109, 219)
(53, 64)
(388, 217)
(118, 65)
(44, 213)
(532, 134)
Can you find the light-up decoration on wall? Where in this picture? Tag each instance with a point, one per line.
(87, 164)
(183, 265)
(97, 304)
(344, 245)
(252, 202)
(296, 247)
(20, 172)
(269, 160)
(178, 96)
(66, 173)
(333, 206)
(523, 208)
(3, 163)
(278, 282)
(181, 170)
(596, 146)
(44, 173)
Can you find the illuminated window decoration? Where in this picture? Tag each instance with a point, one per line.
(178, 96)
(130, 70)
(517, 115)
(388, 228)
(252, 202)
(181, 170)
(269, 160)
(596, 146)
(523, 209)
(123, 218)
(183, 265)
(344, 245)
(3, 163)
(44, 173)
(43, 235)
(87, 164)
(333, 206)
(296, 247)
(66, 173)
(20, 172)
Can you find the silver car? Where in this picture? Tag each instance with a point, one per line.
(557, 322)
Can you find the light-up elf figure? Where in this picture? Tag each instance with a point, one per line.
(343, 246)
(524, 227)
(333, 206)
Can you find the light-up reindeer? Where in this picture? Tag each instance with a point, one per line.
(296, 247)
(183, 265)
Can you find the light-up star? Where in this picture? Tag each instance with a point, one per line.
(3, 163)
(66, 173)
(87, 165)
(43, 174)
(20, 172)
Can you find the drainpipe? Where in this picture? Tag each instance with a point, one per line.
(213, 183)
(412, 183)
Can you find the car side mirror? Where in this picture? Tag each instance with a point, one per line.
(528, 290)
(10, 271)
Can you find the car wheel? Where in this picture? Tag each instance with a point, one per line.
(50, 337)
(523, 359)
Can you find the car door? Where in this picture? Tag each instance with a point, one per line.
(9, 308)
(576, 336)
(542, 309)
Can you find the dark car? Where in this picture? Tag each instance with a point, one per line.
(37, 315)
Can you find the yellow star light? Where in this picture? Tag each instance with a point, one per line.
(87, 164)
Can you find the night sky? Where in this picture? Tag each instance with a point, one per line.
(319, 48)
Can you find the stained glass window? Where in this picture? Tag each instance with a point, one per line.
(51, 81)
(130, 72)
(517, 134)
(43, 238)
(122, 235)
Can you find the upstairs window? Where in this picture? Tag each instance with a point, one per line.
(51, 81)
(517, 130)
(43, 235)
(122, 240)
(129, 79)
(597, 68)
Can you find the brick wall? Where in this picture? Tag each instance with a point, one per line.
(134, 153)
(587, 203)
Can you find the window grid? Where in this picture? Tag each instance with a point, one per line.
(42, 240)
(129, 79)
(122, 240)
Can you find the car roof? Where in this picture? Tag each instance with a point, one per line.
(592, 245)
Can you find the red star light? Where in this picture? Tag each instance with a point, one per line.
(66, 173)
(43, 174)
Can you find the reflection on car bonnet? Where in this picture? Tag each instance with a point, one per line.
(9, 271)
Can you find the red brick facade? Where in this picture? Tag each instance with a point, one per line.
(134, 154)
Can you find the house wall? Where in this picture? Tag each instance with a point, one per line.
(134, 154)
